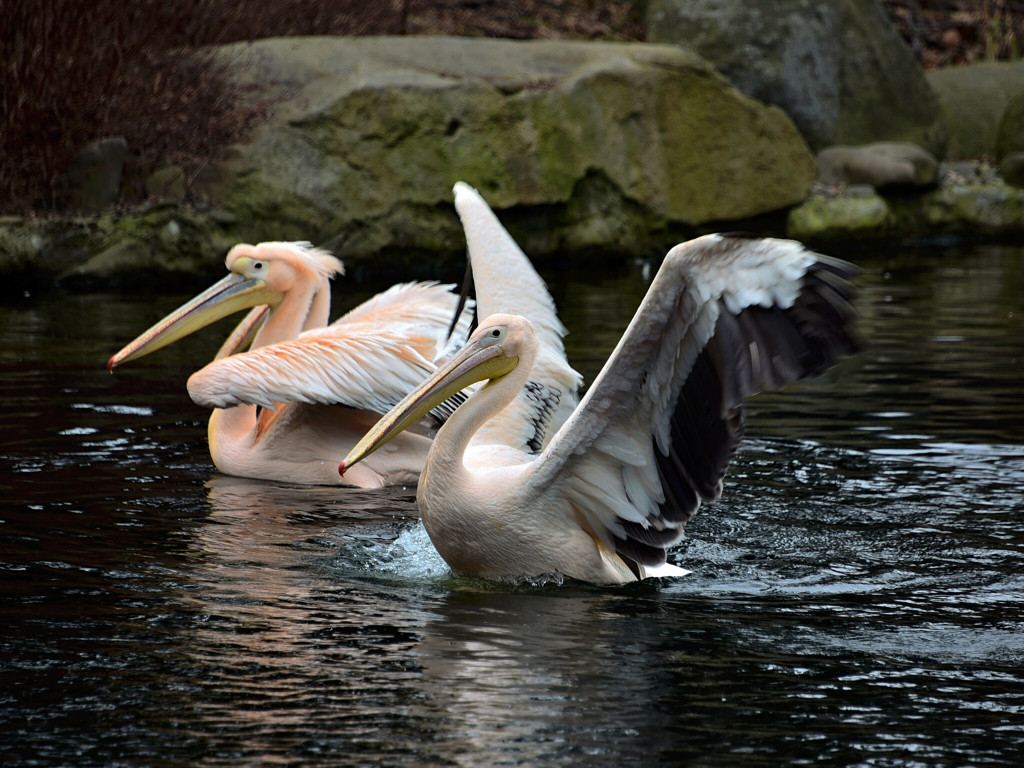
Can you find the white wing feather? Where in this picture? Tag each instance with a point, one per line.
(369, 358)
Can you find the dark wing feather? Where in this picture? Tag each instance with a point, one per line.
(724, 318)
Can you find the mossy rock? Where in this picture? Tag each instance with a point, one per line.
(975, 210)
(861, 215)
(368, 136)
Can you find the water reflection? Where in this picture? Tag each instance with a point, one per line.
(857, 596)
(442, 661)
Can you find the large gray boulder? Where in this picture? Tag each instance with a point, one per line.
(839, 69)
(596, 145)
(975, 98)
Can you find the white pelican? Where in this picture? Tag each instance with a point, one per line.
(276, 408)
(652, 438)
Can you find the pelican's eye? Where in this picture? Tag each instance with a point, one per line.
(495, 335)
(259, 270)
(249, 267)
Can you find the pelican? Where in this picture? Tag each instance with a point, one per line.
(276, 414)
(652, 438)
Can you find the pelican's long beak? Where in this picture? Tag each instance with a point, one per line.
(478, 361)
(235, 292)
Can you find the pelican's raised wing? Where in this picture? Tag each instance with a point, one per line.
(369, 358)
(507, 283)
(724, 317)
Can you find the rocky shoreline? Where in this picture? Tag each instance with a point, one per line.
(114, 251)
(968, 201)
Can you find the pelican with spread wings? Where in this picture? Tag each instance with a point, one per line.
(602, 498)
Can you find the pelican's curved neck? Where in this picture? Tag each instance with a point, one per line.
(304, 307)
(452, 440)
(319, 313)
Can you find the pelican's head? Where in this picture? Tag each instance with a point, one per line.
(259, 276)
(494, 350)
(281, 266)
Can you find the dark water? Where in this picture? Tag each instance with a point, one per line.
(858, 597)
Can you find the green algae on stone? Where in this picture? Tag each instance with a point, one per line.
(828, 217)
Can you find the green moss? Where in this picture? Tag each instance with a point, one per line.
(833, 218)
(976, 209)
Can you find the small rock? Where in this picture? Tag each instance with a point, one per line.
(882, 164)
(998, 208)
(170, 233)
(93, 180)
(860, 190)
(1011, 168)
(961, 173)
(223, 217)
(823, 217)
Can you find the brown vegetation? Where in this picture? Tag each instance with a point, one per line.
(77, 70)
(952, 32)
